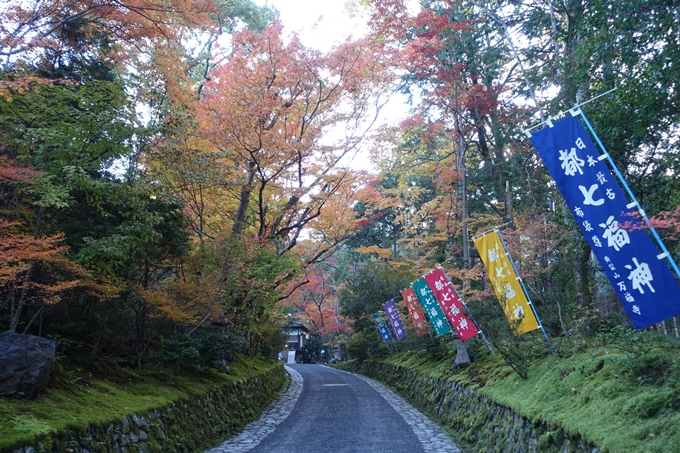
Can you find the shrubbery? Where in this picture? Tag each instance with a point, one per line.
(205, 349)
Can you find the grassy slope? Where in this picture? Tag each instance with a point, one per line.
(77, 398)
(588, 393)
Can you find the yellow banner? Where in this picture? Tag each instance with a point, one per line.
(506, 282)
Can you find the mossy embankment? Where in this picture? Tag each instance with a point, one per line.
(586, 402)
(139, 410)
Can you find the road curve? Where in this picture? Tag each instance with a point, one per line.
(330, 411)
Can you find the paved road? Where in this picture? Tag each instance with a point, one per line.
(329, 411)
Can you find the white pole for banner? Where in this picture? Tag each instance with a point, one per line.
(483, 233)
(634, 202)
(486, 342)
(549, 121)
(526, 293)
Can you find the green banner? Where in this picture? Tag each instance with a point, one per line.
(432, 308)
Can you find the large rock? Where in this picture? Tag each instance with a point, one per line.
(26, 362)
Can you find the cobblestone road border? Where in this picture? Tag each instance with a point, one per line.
(256, 431)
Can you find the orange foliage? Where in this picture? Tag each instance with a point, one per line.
(33, 269)
(18, 174)
(40, 35)
(36, 27)
(18, 251)
(181, 303)
(417, 42)
(284, 116)
(378, 251)
(315, 302)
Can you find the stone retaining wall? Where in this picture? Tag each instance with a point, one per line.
(480, 425)
(195, 424)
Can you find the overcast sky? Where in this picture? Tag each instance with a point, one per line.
(322, 23)
(319, 23)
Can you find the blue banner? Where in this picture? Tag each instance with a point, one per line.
(382, 328)
(644, 283)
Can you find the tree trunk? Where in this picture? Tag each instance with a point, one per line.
(584, 297)
(140, 353)
(559, 315)
(462, 355)
(175, 372)
(18, 308)
(463, 201)
(37, 313)
(246, 190)
(508, 203)
(95, 348)
(141, 329)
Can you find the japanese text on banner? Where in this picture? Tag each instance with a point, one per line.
(382, 328)
(414, 310)
(643, 282)
(394, 319)
(432, 308)
(448, 300)
(506, 283)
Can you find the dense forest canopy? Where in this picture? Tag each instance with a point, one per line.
(175, 173)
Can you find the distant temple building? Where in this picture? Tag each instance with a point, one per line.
(298, 336)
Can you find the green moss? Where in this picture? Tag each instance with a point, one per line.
(30, 426)
(586, 395)
(594, 396)
(70, 408)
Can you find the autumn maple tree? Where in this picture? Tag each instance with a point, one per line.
(48, 34)
(315, 303)
(283, 117)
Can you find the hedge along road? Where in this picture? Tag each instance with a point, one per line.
(327, 410)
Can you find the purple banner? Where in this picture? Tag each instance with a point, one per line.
(641, 277)
(395, 320)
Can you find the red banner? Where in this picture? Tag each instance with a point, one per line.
(414, 311)
(443, 290)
